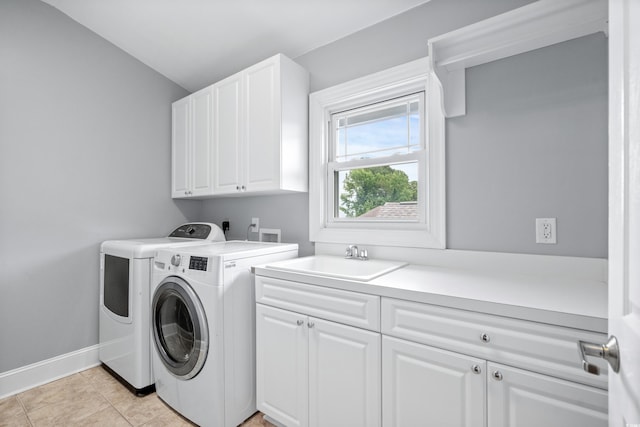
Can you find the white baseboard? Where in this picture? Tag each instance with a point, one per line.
(26, 377)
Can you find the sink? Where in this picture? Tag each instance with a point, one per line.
(342, 268)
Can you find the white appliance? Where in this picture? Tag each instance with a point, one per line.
(203, 327)
(125, 280)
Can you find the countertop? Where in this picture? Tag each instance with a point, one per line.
(569, 302)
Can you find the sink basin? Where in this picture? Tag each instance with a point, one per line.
(342, 268)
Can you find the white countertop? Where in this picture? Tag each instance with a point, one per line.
(576, 303)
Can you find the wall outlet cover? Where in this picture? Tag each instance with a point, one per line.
(546, 231)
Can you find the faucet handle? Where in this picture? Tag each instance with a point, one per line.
(349, 253)
(363, 255)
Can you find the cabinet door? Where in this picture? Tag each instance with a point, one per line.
(426, 386)
(201, 142)
(344, 375)
(282, 365)
(520, 398)
(227, 135)
(180, 151)
(262, 126)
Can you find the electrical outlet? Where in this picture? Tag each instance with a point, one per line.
(546, 231)
(256, 224)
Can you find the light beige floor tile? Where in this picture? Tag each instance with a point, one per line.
(93, 398)
(99, 375)
(139, 410)
(68, 412)
(169, 419)
(64, 390)
(107, 417)
(10, 407)
(16, 420)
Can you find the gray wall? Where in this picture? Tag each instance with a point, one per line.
(84, 157)
(533, 143)
(289, 213)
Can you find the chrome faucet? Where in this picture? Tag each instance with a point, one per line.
(352, 252)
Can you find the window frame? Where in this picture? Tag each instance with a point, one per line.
(429, 230)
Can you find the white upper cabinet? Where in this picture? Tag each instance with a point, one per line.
(227, 135)
(191, 145)
(258, 133)
(180, 164)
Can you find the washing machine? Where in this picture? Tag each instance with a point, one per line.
(203, 328)
(125, 281)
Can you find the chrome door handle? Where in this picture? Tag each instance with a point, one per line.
(609, 352)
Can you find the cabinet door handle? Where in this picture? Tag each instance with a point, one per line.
(497, 375)
(244, 188)
(485, 337)
(238, 187)
(476, 369)
(311, 324)
(300, 322)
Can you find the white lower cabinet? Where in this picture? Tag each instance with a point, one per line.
(519, 398)
(314, 372)
(430, 386)
(330, 357)
(426, 386)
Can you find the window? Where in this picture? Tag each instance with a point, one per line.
(375, 153)
(377, 160)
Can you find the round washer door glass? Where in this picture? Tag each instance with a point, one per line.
(179, 328)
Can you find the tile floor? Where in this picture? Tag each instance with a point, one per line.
(92, 398)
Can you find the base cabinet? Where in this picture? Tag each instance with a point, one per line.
(313, 372)
(426, 386)
(519, 398)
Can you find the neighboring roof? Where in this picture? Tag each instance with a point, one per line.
(393, 210)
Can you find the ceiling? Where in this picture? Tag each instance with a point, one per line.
(198, 42)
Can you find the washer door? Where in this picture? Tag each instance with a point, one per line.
(179, 328)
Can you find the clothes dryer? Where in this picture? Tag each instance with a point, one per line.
(125, 280)
(203, 327)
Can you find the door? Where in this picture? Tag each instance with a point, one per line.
(180, 331)
(624, 209)
(282, 355)
(425, 383)
(180, 154)
(518, 398)
(201, 142)
(344, 375)
(227, 135)
(262, 126)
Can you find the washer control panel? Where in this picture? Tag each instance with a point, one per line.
(198, 263)
(192, 231)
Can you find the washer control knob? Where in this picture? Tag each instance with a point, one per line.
(175, 260)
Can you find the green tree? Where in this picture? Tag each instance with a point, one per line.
(365, 189)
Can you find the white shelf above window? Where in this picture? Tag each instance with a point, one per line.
(539, 24)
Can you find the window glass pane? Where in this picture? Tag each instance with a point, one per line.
(387, 192)
(378, 130)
